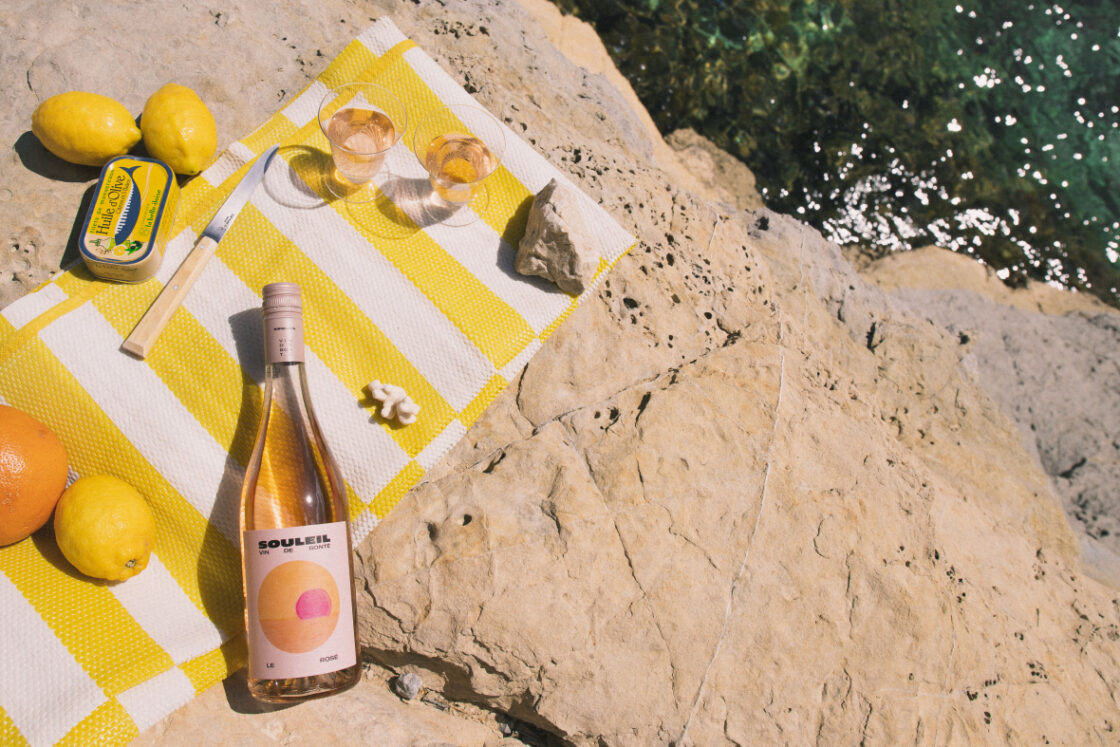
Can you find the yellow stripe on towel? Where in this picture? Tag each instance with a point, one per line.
(334, 327)
(392, 493)
(494, 327)
(84, 287)
(276, 130)
(52, 586)
(205, 670)
(198, 371)
(108, 724)
(508, 196)
(9, 734)
(197, 556)
(357, 62)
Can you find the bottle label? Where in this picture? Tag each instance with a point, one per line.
(284, 333)
(299, 602)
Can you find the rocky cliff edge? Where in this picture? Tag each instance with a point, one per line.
(744, 495)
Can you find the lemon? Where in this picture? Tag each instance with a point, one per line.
(178, 129)
(104, 527)
(85, 128)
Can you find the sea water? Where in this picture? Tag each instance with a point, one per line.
(982, 126)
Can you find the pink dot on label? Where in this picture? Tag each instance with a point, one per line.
(313, 603)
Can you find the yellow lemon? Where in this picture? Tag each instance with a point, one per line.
(104, 527)
(178, 129)
(85, 128)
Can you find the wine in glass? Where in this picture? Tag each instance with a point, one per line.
(362, 121)
(459, 146)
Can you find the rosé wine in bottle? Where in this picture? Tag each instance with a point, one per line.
(295, 537)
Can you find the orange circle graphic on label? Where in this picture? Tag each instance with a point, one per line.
(297, 605)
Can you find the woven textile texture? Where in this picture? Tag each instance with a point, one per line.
(435, 309)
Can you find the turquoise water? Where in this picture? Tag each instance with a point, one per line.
(987, 127)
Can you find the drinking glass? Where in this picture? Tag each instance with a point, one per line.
(362, 121)
(460, 146)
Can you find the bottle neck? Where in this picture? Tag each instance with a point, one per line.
(293, 370)
(285, 387)
(283, 338)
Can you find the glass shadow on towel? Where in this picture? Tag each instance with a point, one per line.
(304, 186)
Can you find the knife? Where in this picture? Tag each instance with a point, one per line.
(144, 334)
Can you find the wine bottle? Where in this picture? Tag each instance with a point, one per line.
(295, 538)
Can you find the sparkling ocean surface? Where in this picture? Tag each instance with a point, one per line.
(987, 127)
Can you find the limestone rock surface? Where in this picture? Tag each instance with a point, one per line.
(724, 178)
(750, 520)
(933, 269)
(1049, 371)
(366, 714)
(741, 496)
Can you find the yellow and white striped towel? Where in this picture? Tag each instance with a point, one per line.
(434, 309)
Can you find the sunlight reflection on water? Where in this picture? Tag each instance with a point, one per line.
(987, 128)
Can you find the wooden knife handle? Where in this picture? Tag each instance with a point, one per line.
(140, 341)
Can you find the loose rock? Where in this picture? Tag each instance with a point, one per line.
(558, 244)
(407, 685)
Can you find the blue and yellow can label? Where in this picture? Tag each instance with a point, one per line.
(129, 219)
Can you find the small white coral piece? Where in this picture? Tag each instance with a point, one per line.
(395, 403)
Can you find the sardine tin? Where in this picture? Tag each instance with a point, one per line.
(129, 219)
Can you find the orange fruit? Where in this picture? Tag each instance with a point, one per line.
(33, 471)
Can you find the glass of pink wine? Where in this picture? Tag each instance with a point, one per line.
(362, 122)
(459, 146)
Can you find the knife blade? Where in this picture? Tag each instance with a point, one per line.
(144, 335)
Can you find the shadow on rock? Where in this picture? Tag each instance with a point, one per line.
(241, 701)
(35, 157)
